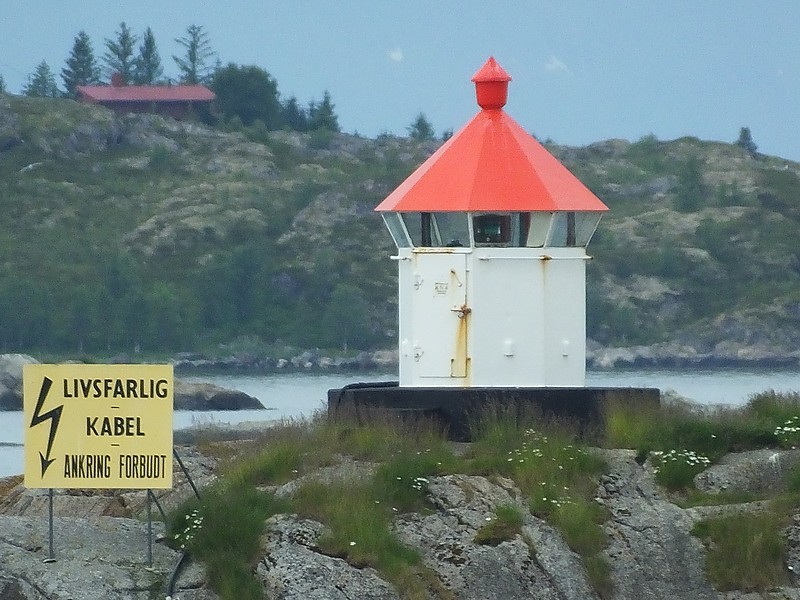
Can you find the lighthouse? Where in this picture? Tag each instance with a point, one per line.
(491, 234)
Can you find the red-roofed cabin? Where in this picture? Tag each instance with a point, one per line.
(176, 101)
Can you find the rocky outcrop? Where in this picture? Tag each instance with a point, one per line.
(293, 569)
(535, 564)
(101, 541)
(651, 552)
(206, 396)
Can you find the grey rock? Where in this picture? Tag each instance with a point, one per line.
(755, 471)
(206, 396)
(102, 557)
(651, 552)
(293, 569)
(11, 366)
(536, 564)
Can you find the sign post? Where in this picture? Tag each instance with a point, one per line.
(98, 426)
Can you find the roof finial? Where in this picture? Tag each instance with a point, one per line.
(491, 85)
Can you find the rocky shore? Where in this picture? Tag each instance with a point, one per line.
(665, 355)
(677, 355)
(101, 540)
(205, 397)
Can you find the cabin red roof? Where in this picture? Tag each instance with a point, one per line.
(491, 164)
(146, 93)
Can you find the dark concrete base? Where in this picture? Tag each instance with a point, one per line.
(456, 409)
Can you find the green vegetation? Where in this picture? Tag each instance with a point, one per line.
(745, 552)
(557, 474)
(222, 530)
(358, 510)
(690, 441)
(506, 525)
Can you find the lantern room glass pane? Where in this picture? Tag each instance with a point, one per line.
(413, 223)
(585, 226)
(451, 229)
(539, 226)
(492, 229)
(571, 229)
(397, 230)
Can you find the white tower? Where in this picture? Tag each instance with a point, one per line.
(491, 233)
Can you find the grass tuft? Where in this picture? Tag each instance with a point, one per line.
(505, 526)
(744, 552)
(223, 531)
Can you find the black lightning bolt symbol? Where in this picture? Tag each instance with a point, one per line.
(54, 416)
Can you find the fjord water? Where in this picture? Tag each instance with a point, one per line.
(293, 396)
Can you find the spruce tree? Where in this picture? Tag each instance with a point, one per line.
(322, 115)
(421, 129)
(746, 141)
(42, 84)
(119, 54)
(148, 68)
(81, 66)
(194, 65)
(294, 115)
(2, 85)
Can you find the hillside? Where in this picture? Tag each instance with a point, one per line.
(141, 232)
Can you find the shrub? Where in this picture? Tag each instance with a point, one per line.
(163, 160)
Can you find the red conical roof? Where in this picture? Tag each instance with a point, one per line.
(490, 165)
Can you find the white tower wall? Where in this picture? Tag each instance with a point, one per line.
(488, 317)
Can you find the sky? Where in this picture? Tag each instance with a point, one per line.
(582, 71)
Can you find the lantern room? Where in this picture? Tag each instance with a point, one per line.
(491, 234)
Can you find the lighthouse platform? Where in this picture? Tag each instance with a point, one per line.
(459, 410)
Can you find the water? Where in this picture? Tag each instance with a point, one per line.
(299, 395)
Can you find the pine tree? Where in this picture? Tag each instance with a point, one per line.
(42, 84)
(148, 68)
(119, 54)
(194, 67)
(81, 66)
(2, 85)
(322, 115)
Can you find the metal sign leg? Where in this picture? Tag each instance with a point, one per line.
(149, 531)
(51, 555)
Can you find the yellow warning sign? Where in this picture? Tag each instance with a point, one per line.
(98, 426)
